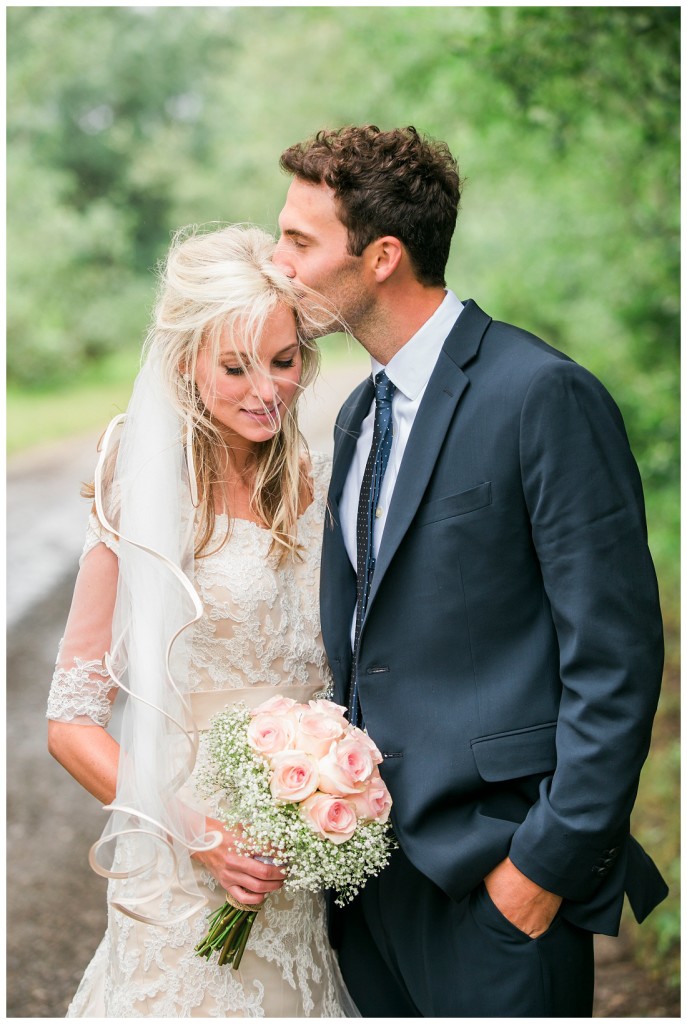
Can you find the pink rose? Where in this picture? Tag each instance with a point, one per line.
(330, 816)
(347, 766)
(368, 742)
(269, 734)
(374, 803)
(328, 707)
(296, 712)
(294, 776)
(274, 706)
(316, 732)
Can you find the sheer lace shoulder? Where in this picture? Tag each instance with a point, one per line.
(96, 534)
(320, 474)
(321, 471)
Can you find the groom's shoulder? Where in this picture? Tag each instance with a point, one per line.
(495, 345)
(511, 359)
(510, 341)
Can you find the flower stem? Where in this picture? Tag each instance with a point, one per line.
(226, 952)
(244, 939)
(228, 933)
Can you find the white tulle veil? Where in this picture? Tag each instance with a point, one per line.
(152, 829)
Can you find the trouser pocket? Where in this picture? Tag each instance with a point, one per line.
(484, 908)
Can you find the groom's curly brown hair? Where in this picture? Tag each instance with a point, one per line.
(386, 183)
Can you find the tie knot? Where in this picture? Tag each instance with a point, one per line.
(384, 388)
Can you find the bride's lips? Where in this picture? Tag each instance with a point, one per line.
(263, 416)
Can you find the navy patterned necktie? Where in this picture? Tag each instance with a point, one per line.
(367, 507)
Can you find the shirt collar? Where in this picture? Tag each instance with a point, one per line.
(413, 364)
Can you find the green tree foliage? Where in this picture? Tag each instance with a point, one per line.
(102, 104)
(125, 123)
(603, 85)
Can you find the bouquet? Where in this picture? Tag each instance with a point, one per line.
(304, 787)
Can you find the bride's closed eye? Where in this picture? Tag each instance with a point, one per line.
(281, 364)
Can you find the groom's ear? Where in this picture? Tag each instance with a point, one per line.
(385, 255)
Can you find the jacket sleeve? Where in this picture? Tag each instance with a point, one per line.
(584, 496)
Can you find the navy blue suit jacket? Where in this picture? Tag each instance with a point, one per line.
(511, 655)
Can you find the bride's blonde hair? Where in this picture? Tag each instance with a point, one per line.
(219, 281)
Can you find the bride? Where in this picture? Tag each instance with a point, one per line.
(198, 586)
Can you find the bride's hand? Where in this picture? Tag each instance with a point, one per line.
(246, 879)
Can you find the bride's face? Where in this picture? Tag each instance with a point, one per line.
(248, 397)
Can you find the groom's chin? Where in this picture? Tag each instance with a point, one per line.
(313, 332)
(318, 318)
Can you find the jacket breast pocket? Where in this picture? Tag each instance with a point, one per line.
(454, 505)
(512, 755)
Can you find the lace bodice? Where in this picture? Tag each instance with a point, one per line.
(261, 623)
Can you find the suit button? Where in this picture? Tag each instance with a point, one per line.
(600, 869)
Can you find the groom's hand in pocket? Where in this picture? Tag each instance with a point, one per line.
(246, 879)
(525, 904)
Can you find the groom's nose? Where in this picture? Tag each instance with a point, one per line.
(280, 258)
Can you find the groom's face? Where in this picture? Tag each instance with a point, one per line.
(312, 250)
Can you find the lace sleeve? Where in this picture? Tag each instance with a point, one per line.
(81, 694)
(82, 691)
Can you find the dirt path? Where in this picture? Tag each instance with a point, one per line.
(55, 904)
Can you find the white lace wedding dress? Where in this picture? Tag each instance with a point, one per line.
(260, 629)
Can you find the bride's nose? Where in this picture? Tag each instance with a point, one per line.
(265, 389)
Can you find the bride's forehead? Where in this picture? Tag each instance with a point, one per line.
(243, 338)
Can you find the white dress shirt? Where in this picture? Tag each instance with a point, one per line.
(410, 370)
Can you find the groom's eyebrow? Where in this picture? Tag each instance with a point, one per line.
(295, 233)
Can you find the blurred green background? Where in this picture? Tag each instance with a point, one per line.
(126, 122)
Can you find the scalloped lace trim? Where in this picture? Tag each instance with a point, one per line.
(81, 692)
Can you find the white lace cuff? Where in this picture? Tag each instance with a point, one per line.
(80, 694)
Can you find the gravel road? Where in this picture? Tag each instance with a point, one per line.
(55, 904)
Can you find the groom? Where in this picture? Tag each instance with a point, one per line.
(489, 607)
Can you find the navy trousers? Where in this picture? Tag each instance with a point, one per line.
(407, 950)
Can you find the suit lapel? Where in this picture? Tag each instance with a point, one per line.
(444, 391)
(346, 437)
(338, 592)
